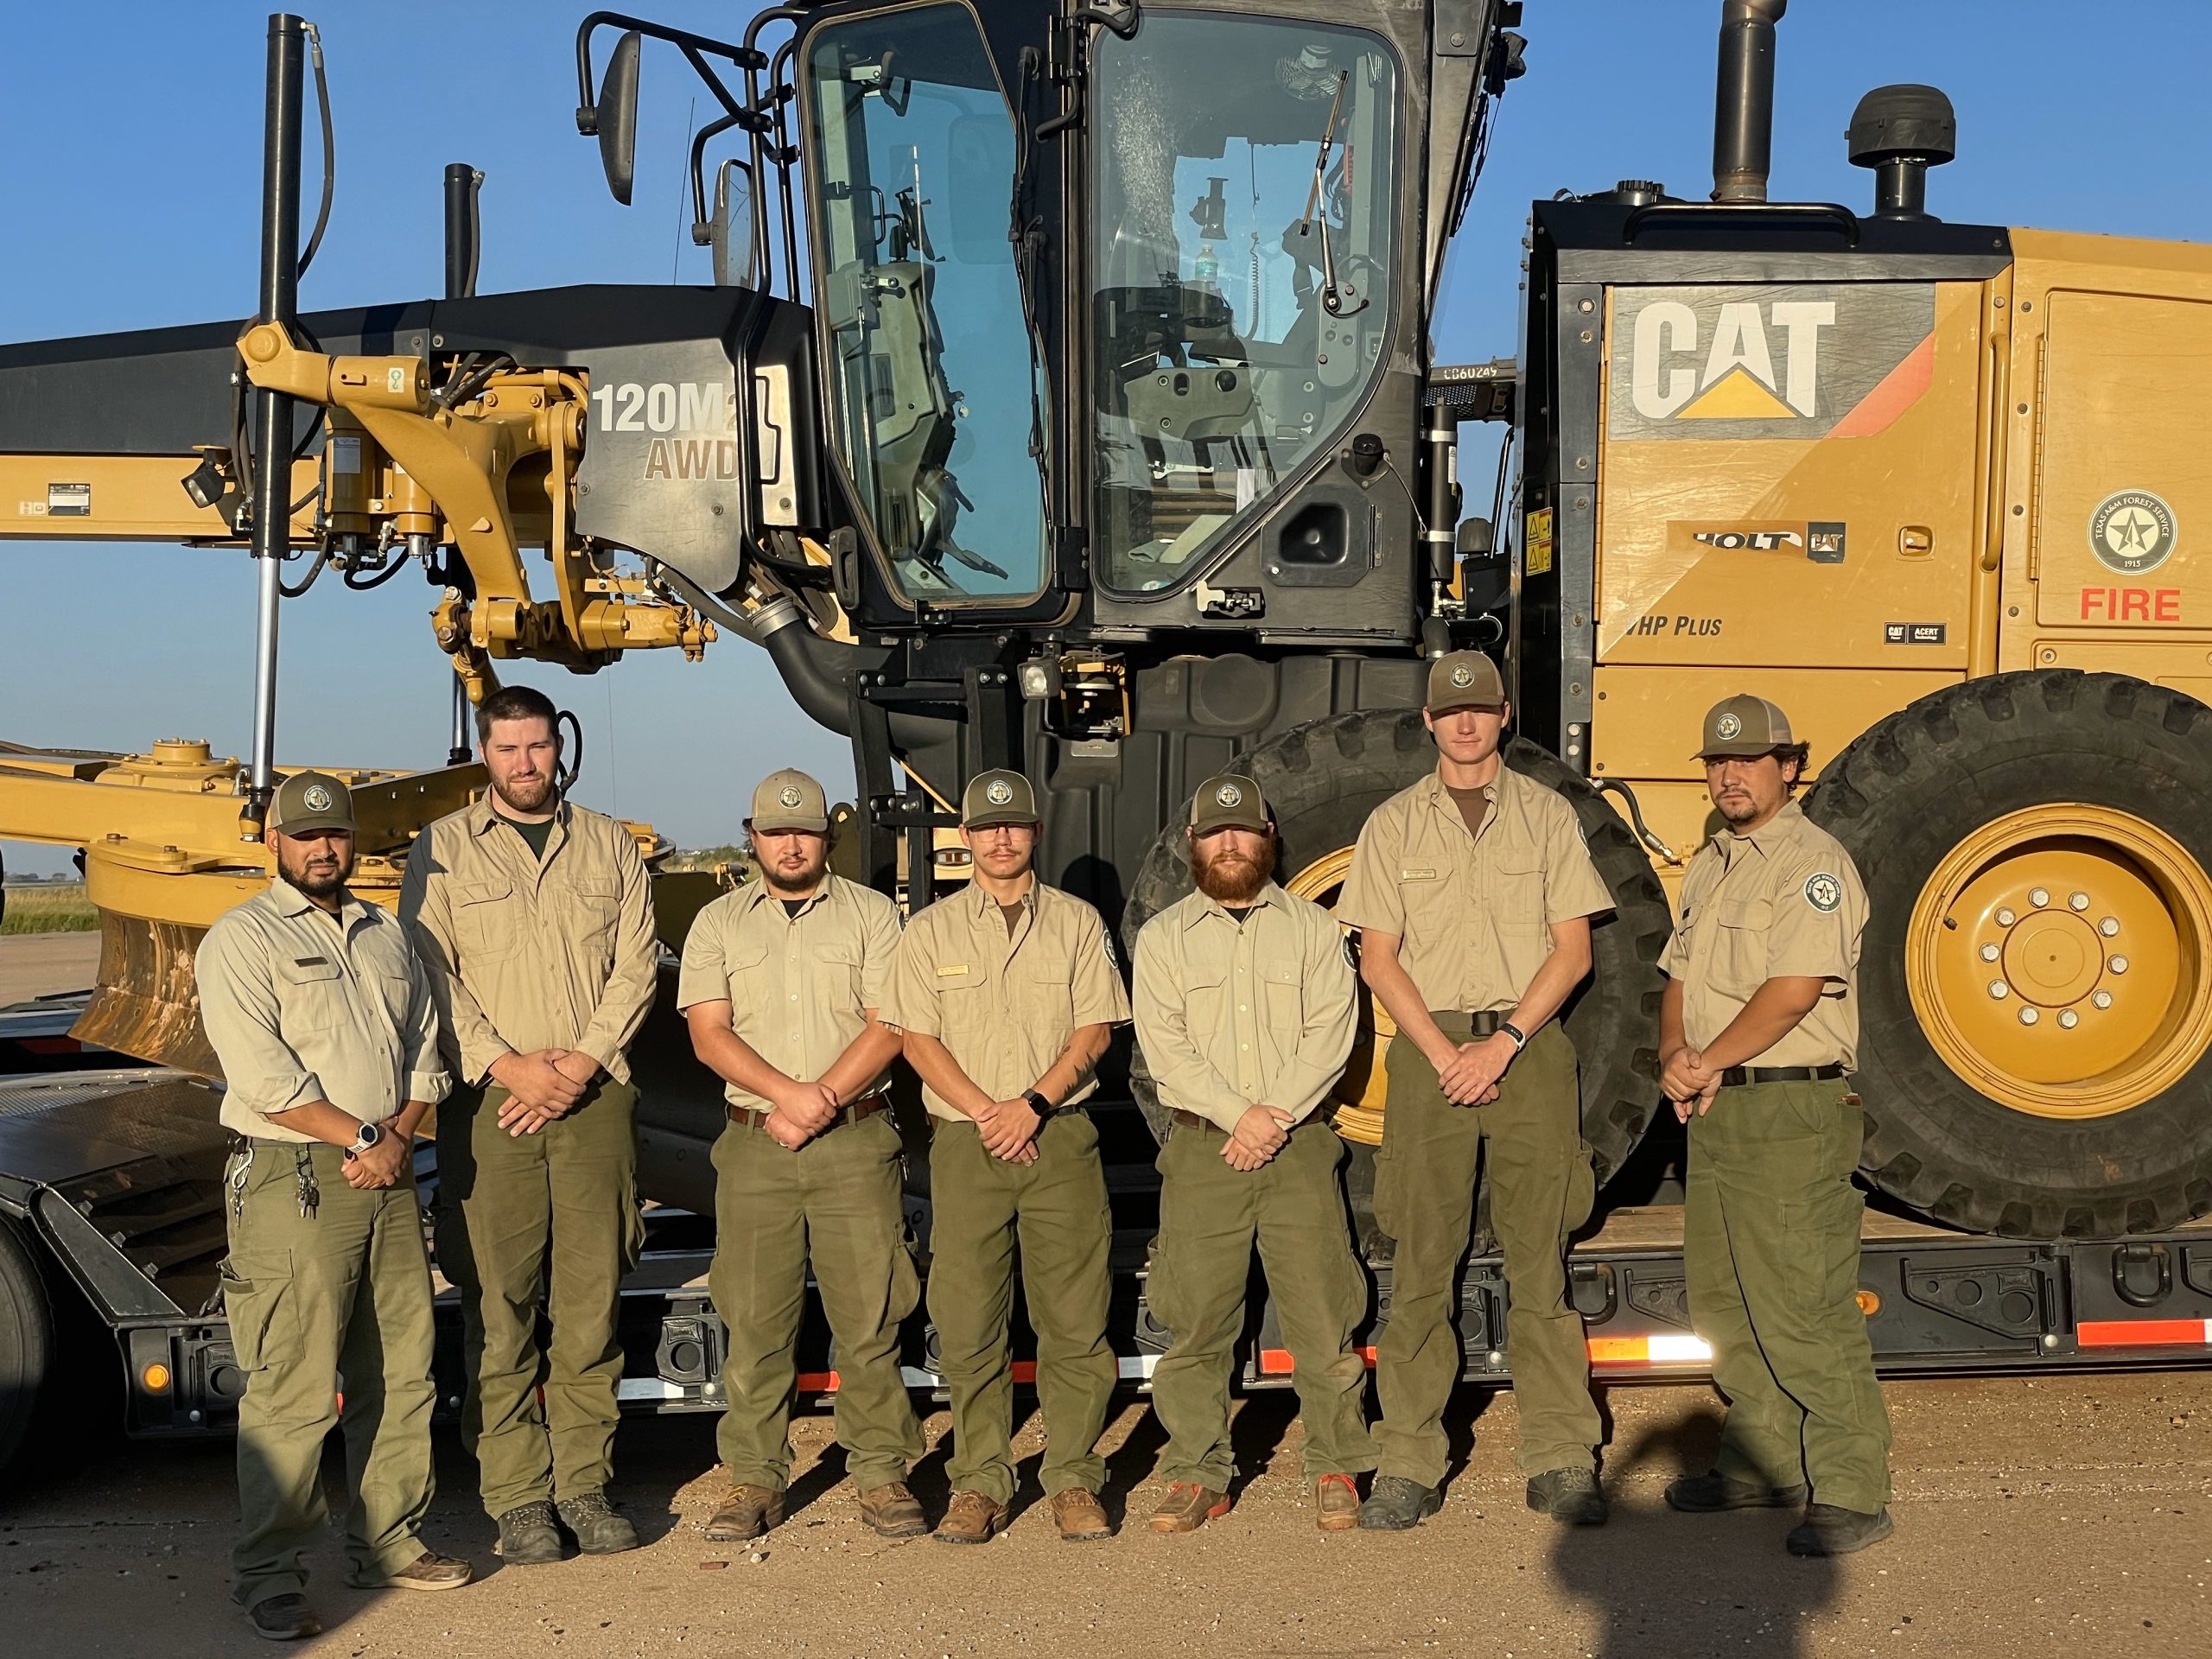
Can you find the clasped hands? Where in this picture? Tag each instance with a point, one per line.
(381, 1165)
(1469, 1074)
(1690, 1084)
(542, 1085)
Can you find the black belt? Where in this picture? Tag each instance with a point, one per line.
(1483, 1024)
(1191, 1121)
(851, 1114)
(1737, 1076)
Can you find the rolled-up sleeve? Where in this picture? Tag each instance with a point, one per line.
(427, 1079)
(1186, 1079)
(238, 1006)
(470, 1040)
(628, 996)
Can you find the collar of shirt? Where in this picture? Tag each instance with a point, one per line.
(1272, 894)
(1770, 836)
(484, 816)
(756, 893)
(1436, 795)
(290, 901)
(980, 904)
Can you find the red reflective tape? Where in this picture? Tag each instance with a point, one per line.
(2144, 1333)
(819, 1382)
(1276, 1362)
(1025, 1370)
(49, 1045)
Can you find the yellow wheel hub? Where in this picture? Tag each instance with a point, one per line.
(2060, 959)
(1359, 1093)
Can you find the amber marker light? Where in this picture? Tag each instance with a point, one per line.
(155, 1378)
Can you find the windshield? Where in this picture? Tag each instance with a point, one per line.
(931, 365)
(1241, 224)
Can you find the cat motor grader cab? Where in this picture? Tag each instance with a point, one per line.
(1065, 400)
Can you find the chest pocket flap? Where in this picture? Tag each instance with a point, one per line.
(312, 992)
(1282, 993)
(484, 918)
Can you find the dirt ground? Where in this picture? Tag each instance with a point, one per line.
(2035, 1516)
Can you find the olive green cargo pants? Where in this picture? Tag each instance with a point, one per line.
(1210, 1215)
(1771, 1246)
(1529, 1143)
(834, 1202)
(530, 1224)
(1056, 1208)
(341, 1300)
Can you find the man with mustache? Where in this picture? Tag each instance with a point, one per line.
(535, 916)
(325, 1025)
(1244, 1012)
(782, 982)
(1758, 1029)
(1473, 893)
(1007, 993)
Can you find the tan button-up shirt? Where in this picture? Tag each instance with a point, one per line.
(526, 953)
(1234, 1015)
(799, 988)
(1783, 902)
(302, 1006)
(1472, 913)
(1005, 1008)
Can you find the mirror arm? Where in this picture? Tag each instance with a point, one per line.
(692, 46)
(700, 232)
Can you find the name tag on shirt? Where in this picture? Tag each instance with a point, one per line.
(1416, 875)
(952, 973)
(310, 961)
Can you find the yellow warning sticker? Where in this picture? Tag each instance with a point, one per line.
(1536, 546)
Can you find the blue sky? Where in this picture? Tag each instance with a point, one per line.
(130, 190)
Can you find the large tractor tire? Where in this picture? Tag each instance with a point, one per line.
(26, 1340)
(1322, 781)
(2035, 980)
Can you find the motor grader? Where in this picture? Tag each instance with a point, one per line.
(1065, 400)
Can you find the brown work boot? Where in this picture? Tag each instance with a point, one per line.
(1187, 1507)
(1337, 1499)
(746, 1513)
(1081, 1516)
(970, 1518)
(429, 1570)
(892, 1512)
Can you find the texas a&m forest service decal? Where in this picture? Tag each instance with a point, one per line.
(1768, 360)
(2131, 532)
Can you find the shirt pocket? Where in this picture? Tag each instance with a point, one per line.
(1517, 894)
(1042, 994)
(1282, 999)
(1739, 932)
(484, 921)
(837, 977)
(314, 995)
(745, 973)
(963, 1000)
(1206, 1000)
(595, 905)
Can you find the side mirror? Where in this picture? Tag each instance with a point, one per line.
(736, 260)
(618, 116)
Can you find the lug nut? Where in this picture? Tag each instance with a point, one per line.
(2118, 965)
(2006, 917)
(2109, 927)
(2102, 999)
(2069, 1019)
(2079, 901)
(2039, 896)
(1989, 953)
(2029, 1016)
(1996, 988)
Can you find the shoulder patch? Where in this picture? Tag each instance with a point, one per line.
(1823, 891)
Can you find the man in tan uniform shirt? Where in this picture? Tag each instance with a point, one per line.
(535, 918)
(782, 982)
(1759, 1032)
(1473, 893)
(1007, 993)
(328, 1035)
(1245, 1014)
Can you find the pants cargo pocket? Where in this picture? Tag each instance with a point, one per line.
(254, 1288)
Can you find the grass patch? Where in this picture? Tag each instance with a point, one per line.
(49, 910)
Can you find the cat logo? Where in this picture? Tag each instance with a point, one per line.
(1768, 360)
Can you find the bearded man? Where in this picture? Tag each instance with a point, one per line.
(1245, 1014)
(781, 983)
(535, 919)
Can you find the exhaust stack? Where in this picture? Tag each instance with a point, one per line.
(1743, 109)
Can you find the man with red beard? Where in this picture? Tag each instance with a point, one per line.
(1473, 891)
(1244, 1012)
(535, 919)
(782, 980)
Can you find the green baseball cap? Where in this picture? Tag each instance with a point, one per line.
(789, 800)
(1231, 801)
(1744, 725)
(308, 801)
(997, 796)
(1464, 679)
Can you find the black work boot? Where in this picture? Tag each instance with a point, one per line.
(528, 1536)
(1568, 1494)
(1396, 1503)
(1828, 1530)
(598, 1529)
(1713, 1491)
(284, 1618)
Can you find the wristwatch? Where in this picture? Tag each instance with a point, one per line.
(370, 1134)
(1520, 1037)
(1037, 1104)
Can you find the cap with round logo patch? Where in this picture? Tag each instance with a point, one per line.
(789, 800)
(1464, 679)
(997, 797)
(1744, 725)
(1231, 801)
(308, 801)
